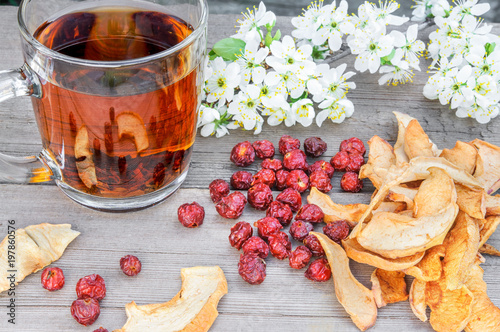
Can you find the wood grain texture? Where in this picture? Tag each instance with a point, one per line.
(286, 301)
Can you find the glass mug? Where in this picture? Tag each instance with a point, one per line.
(115, 87)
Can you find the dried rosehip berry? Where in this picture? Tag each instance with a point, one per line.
(279, 245)
(351, 183)
(241, 180)
(291, 197)
(310, 213)
(52, 278)
(265, 176)
(353, 145)
(191, 215)
(355, 163)
(312, 243)
(321, 181)
(130, 265)
(298, 180)
(252, 268)
(272, 164)
(340, 161)
(322, 165)
(280, 211)
(288, 143)
(218, 189)
(300, 229)
(295, 159)
(92, 286)
(267, 226)
(85, 311)
(337, 230)
(101, 329)
(263, 149)
(257, 246)
(319, 270)
(281, 176)
(240, 232)
(300, 257)
(260, 196)
(314, 146)
(231, 206)
(243, 154)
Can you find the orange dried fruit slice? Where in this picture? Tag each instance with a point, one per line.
(464, 155)
(488, 249)
(388, 287)
(380, 158)
(130, 124)
(430, 267)
(487, 166)
(85, 163)
(417, 299)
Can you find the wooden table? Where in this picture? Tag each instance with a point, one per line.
(286, 301)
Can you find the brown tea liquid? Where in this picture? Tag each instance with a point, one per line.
(112, 134)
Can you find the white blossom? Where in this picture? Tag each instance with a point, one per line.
(286, 80)
(250, 63)
(458, 88)
(224, 79)
(278, 110)
(331, 84)
(468, 7)
(303, 110)
(249, 28)
(334, 25)
(306, 24)
(370, 48)
(287, 58)
(383, 13)
(245, 109)
(398, 72)
(335, 110)
(411, 46)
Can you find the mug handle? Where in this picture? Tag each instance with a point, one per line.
(31, 169)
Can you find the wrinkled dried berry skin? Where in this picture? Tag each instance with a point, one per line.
(218, 189)
(319, 270)
(241, 180)
(337, 230)
(351, 183)
(91, 286)
(314, 146)
(52, 278)
(231, 206)
(291, 197)
(279, 245)
(260, 196)
(130, 265)
(243, 154)
(281, 177)
(310, 213)
(324, 166)
(240, 232)
(252, 269)
(288, 143)
(85, 311)
(257, 246)
(267, 226)
(312, 243)
(300, 229)
(295, 159)
(298, 180)
(355, 163)
(353, 145)
(280, 211)
(321, 181)
(300, 257)
(272, 164)
(340, 161)
(191, 215)
(265, 176)
(101, 329)
(263, 149)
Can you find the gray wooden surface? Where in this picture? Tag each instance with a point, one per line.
(286, 301)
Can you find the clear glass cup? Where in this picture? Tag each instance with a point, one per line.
(115, 87)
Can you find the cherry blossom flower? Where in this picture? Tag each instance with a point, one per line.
(383, 13)
(278, 110)
(306, 24)
(252, 21)
(482, 115)
(304, 111)
(424, 9)
(220, 85)
(287, 80)
(334, 25)
(331, 84)
(251, 63)
(411, 46)
(468, 7)
(370, 48)
(245, 109)
(398, 72)
(285, 57)
(458, 89)
(335, 110)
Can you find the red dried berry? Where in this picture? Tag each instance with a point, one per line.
(288, 143)
(281, 176)
(300, 257)
(85, 311)
(240, 232)
(340, 161)
(260, 196)
(291, 197)
(256, 246)
(263, 149)
(312, 243)
(314, 146)
(101, 329)
(353, 145)
(295, 159)
(267, 226)
(265, 176)
(322, 165)
(355, 163)
(300, 229)
(231, 206)
(91, 286)
(52, 278)
(280, 211)
(321, 181)
(191, 215)
(241, 180)
(351, 183)
(218, 189)
(130, 265)
(319, 270)
(337, 230)
(297, 180)
(272, 164)
(243, 154)
(279, 245)
(310, 213)
(252, 269)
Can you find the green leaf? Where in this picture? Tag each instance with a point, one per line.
(387, 59)
(277, 35)
(212, 55)
(229, 48)
(294, 100)
(490, 47)
(268, 40)
(318, 54)
(270, 27)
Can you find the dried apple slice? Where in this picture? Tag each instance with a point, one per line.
(356, 299)
(487, 166)
(194, 308)
(402, 194)
(489, 227)
(388, 287)
(417, 299)
(417, 142)
(130, 124)
(492, 205)
(399, 152)
(488, 249)
(84, 164)
(380, 158)
(471, 201)
(464, 155)
(430, 267)
(434, 194)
